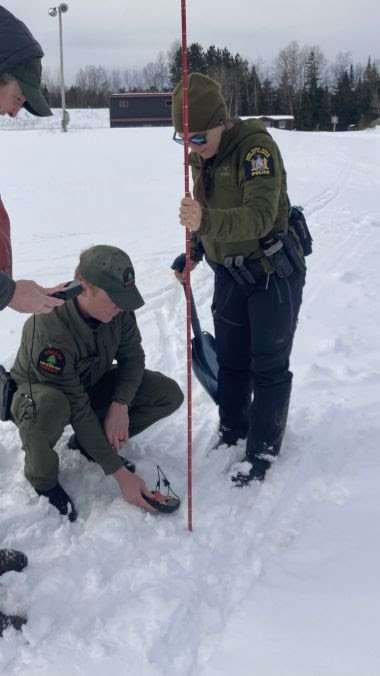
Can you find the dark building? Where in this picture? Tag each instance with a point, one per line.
(141, 110)
(277, 121)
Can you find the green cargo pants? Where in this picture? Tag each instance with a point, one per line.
(41, 425)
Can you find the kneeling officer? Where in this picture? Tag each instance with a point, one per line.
(65, 374)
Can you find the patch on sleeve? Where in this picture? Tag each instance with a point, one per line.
(258, 162)
(51, 361)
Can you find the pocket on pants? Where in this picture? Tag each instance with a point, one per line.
(22, 406)
(228, 305)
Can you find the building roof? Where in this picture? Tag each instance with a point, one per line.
(274, 117)
(144, 94)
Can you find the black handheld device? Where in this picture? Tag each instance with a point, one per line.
(71, 290)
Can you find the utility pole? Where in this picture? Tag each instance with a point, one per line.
(334, 121)
(53, 11)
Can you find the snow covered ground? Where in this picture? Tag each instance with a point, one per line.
(276, 580)
(80, 118)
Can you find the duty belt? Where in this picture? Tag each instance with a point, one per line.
(243, 270)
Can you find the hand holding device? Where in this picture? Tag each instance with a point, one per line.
(71, 290)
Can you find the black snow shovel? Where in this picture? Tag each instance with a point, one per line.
(204, 359)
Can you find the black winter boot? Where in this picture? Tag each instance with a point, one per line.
(250, 469)
(11, 621)
(61, 501)
(229, 437)
(11, 559)
(74, 444)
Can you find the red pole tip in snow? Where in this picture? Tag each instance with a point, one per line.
(185, 112)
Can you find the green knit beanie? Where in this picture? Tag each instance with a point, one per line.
(207, 107)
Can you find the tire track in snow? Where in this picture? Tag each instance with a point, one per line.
(336, 261)
(343, 236)
(322, 200)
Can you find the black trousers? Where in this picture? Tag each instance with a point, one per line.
(254, 331)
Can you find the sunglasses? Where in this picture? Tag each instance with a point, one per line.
(195, 139)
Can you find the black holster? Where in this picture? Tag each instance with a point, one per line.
(292, 251)
(297, 221)
(245, 272)
(283, 251)
(274, 250)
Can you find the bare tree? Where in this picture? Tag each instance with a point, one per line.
(51, 81)
(341, 65)
(289, 66)
(94, 79)
(156, 74)
(133, 79)
(116, 80)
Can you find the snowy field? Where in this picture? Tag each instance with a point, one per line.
(96, 118)
(280, 579)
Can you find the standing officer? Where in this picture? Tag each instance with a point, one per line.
(20, 86)
(65, 375)
(239, 218)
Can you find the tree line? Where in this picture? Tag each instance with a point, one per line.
(299, 82)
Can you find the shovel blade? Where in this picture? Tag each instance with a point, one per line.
(205, 363)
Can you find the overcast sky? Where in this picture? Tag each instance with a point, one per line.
(129, 33)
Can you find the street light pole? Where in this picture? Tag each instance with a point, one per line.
(63, 93)
(53, 11)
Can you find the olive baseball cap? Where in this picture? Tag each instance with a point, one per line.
(28, 76)
(207, 107)
(110, 269)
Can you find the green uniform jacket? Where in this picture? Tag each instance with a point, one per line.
(67, 352)
(247, 194)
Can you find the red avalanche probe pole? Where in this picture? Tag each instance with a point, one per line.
(185, 80)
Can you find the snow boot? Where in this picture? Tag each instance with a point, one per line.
(14, 621)
(250, 469)
(228, 437)
(74, 444)
(61, 501)
(11, 559)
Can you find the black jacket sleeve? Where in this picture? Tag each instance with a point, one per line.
(7, 289)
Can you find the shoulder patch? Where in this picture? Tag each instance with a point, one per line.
(258, 162)
(51, 361)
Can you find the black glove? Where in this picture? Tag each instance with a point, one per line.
(179, 263)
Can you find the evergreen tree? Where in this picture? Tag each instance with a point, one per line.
(314, 112)
(371, 81)
(344, 102)
(251, 95)
(268, 98)
(196, 59)
(231, 71)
